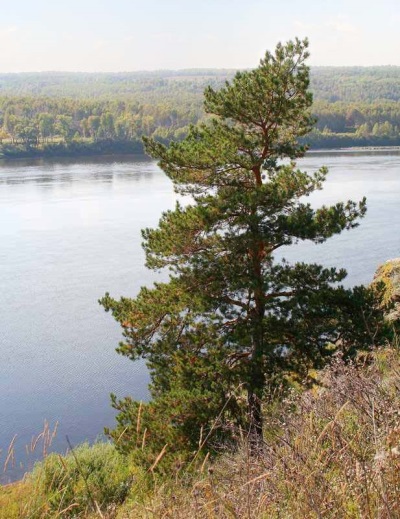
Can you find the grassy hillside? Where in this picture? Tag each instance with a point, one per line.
(331, 452)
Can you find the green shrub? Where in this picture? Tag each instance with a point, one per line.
(91, 478)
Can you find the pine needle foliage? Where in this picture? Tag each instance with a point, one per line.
(232, 322)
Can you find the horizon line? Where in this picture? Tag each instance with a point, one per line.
(177, 70)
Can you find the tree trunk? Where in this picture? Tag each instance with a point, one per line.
(257, 378)
(255, 413)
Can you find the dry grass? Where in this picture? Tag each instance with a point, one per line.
(39, 446)
(13, 499)
(330, 453)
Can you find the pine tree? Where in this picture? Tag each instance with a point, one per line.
(232, 321)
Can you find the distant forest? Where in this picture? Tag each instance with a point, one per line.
(59, 113)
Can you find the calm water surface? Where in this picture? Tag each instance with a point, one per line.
(70, 231)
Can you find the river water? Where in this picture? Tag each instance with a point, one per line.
(70, 231)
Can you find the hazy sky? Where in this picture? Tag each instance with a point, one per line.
(123, 35)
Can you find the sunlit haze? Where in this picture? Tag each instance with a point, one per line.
(127, 35)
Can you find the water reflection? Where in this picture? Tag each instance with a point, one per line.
(67, 171)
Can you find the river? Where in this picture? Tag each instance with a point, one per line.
(70, 231)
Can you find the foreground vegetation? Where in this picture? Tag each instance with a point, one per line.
(332, 451)
(328, 453)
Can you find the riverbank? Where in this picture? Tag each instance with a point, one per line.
(75, 148)
(88, 148)
(355, 149)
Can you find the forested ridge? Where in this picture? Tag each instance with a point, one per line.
(57, 113)
(348, 84)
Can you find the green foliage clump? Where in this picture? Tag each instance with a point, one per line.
(90, 479)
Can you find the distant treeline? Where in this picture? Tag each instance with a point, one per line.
(348, 84)
(82, 113)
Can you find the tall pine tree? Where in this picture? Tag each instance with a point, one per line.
(232, 322)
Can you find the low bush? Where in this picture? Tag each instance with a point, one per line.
(89, 479)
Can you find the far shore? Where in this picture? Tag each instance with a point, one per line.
(35, 154)
(355, 149)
